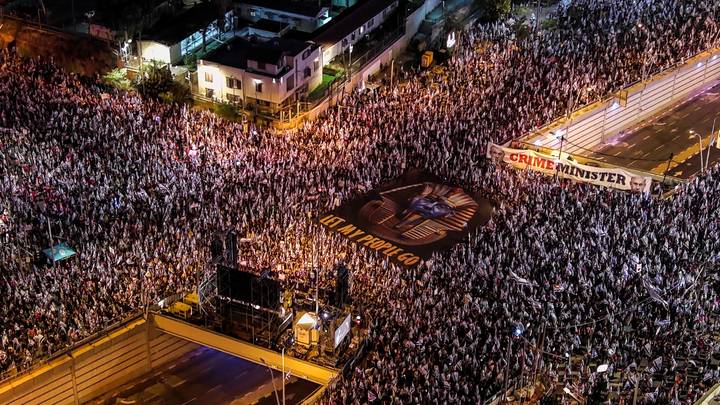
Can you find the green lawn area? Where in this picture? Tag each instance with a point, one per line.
(320, 89)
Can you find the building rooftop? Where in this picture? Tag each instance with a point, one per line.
(172, 29)
(349, 20)
(298, 35)
(269, 25)
(305, 8)
(237, 52)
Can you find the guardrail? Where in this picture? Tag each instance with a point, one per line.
(43, 361)
(256, 354)
(596, 121)
(707, 398)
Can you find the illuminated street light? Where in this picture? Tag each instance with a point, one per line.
(693, 133)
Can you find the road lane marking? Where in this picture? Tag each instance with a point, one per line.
(680, 157)
(188, 401)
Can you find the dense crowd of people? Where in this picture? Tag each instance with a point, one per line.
(564, 277)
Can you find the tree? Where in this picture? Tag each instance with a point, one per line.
(178, 93)
(117, 78)
(155, 79)
(157, 82)
(494, 9)
(227, 111)
(190, 61)
(521, 28)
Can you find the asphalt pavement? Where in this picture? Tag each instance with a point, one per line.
(648, 147)
(206, 376)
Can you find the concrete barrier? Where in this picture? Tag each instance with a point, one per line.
(709, 397)
(597, 122)
(256, 354)
(97, 367)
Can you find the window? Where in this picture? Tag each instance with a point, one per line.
(211, 32)
(371, 22)
(258, 87)
(233, 98)
(208, 77)
(233, 83)
(209, 93)
(344, 42)
(306, 54)
(261, 65)
(316, 65)
(290, 84)
(188, 44)
(308, 72)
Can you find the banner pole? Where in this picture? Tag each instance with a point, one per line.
(667, 168)
(562, 140)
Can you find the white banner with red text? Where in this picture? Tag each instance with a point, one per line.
(568, 169)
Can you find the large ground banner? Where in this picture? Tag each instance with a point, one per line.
(528, 159)
(410, 218)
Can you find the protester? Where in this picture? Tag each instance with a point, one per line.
(568, 276)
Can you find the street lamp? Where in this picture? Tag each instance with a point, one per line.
(288, 343)
(350, 64)
(516, 331)
(712, 139)
(272, 379)
(693, 133)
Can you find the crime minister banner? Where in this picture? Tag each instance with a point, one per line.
(528, 159)
(410, 218)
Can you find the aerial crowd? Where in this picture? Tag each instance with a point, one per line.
(565, 277)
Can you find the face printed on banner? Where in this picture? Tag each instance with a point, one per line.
(411, 217)
(496, 154)
(637, 184)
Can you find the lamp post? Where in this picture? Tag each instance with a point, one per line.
(288, 343)
(392, 72)
(562, 140)
(272, 379)
(52, 245)
(507, 368)
(350, 64)
(692, 132)
(516, 332)
(712, 138)
(283, 375)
